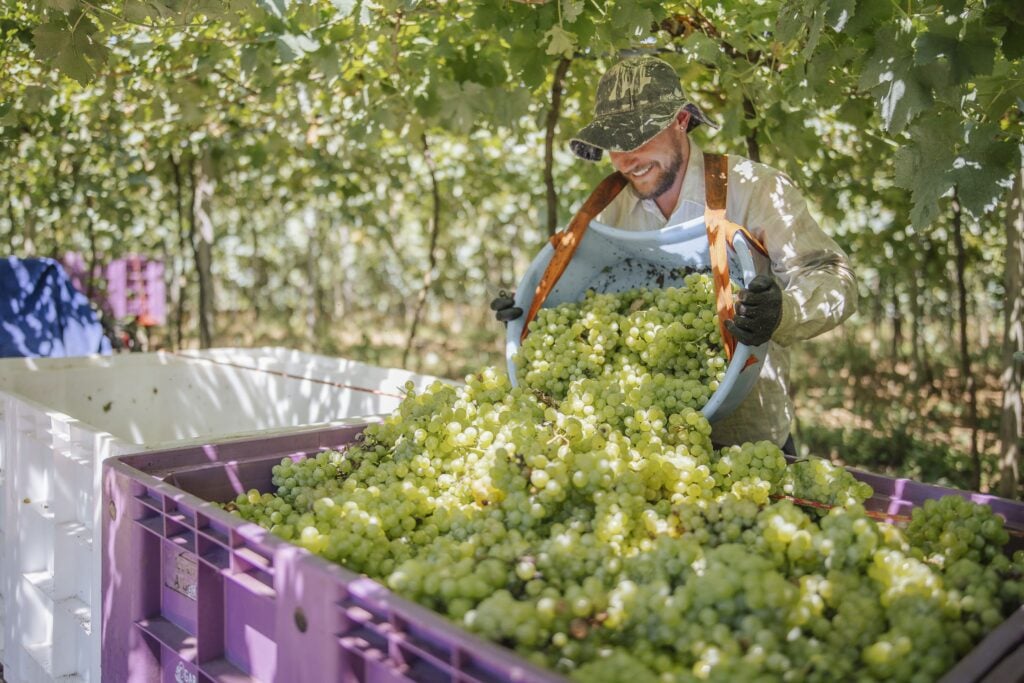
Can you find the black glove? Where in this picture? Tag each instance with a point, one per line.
(758, 312)
(504, 307)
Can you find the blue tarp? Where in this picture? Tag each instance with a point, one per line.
(42, 314)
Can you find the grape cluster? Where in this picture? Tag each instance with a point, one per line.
(952, 528)
(821, 481)
(584, 519)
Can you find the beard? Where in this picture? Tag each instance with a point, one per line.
(664, 181)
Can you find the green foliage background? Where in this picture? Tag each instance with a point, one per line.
(324, 129)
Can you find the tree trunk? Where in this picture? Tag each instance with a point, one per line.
(12, 218)
(950, 305)
(915, 325)
(1011, 431)
(753, 149)
(259, 275)
(966, 376)
(94, 257)
(877, 315)
(179, 281)
(201, 236)
(315, 301)
(554, 113)
(428, 276)
(341, 305)
(28, 222)
(897, 324)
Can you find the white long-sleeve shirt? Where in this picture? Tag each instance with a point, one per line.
(819, 290)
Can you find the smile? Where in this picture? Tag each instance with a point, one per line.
(640, 172)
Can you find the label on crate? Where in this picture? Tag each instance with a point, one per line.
(182, 576)
(183, 675)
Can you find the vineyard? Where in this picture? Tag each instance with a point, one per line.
(299, 212)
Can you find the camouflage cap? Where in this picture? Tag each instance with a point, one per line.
(636, 99)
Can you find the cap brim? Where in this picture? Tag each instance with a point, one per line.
(629, 130)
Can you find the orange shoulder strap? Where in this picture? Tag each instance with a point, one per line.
(721, 232)
(716, 190)
(566, 241)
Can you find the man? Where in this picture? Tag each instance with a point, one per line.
(642, 119)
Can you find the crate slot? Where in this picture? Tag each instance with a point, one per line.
(42, 582)
(41, 508)
(77, 532)
(437, 654)
(254, 585)
(253, 559)
(217, 557)
(170, 634)
(223, 671)
(154, 525)
(183, 539)
(178, 517)
(215, 535)
(78, 609)
(42, 655)
(150, 501)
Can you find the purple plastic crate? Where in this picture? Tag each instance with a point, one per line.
(898, 497)
(194, 594)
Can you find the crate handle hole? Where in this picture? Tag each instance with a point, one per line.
(300, 620)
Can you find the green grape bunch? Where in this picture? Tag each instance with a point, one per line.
(584, 519)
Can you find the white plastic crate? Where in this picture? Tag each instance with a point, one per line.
(61, 418)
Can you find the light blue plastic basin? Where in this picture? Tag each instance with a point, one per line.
(612, 260)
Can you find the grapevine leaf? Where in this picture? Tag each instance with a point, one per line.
(938, 42)
(968, 54)
(456, 104)
(73, 52)
(1013, 41)
(571, 10)
(137, 10)
(8, 116)
(838, 14)
(506, 108)
(50, 40)
(632, 18)
(248, 59)
(293, 46)
(792, 20)
(62, 5)
(560, 42)
(890, 75)
(275, 8)
(977, 52)
(526, 60)
(701, 48)
(999, 93)
(925, 165)
(814, 34)
(984, 169)
(327, 60)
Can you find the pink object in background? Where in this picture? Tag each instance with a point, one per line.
(129, 286)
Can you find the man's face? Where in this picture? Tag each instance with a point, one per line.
(655, 167)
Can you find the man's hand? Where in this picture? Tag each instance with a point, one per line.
(758, 312)
(504, 307)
